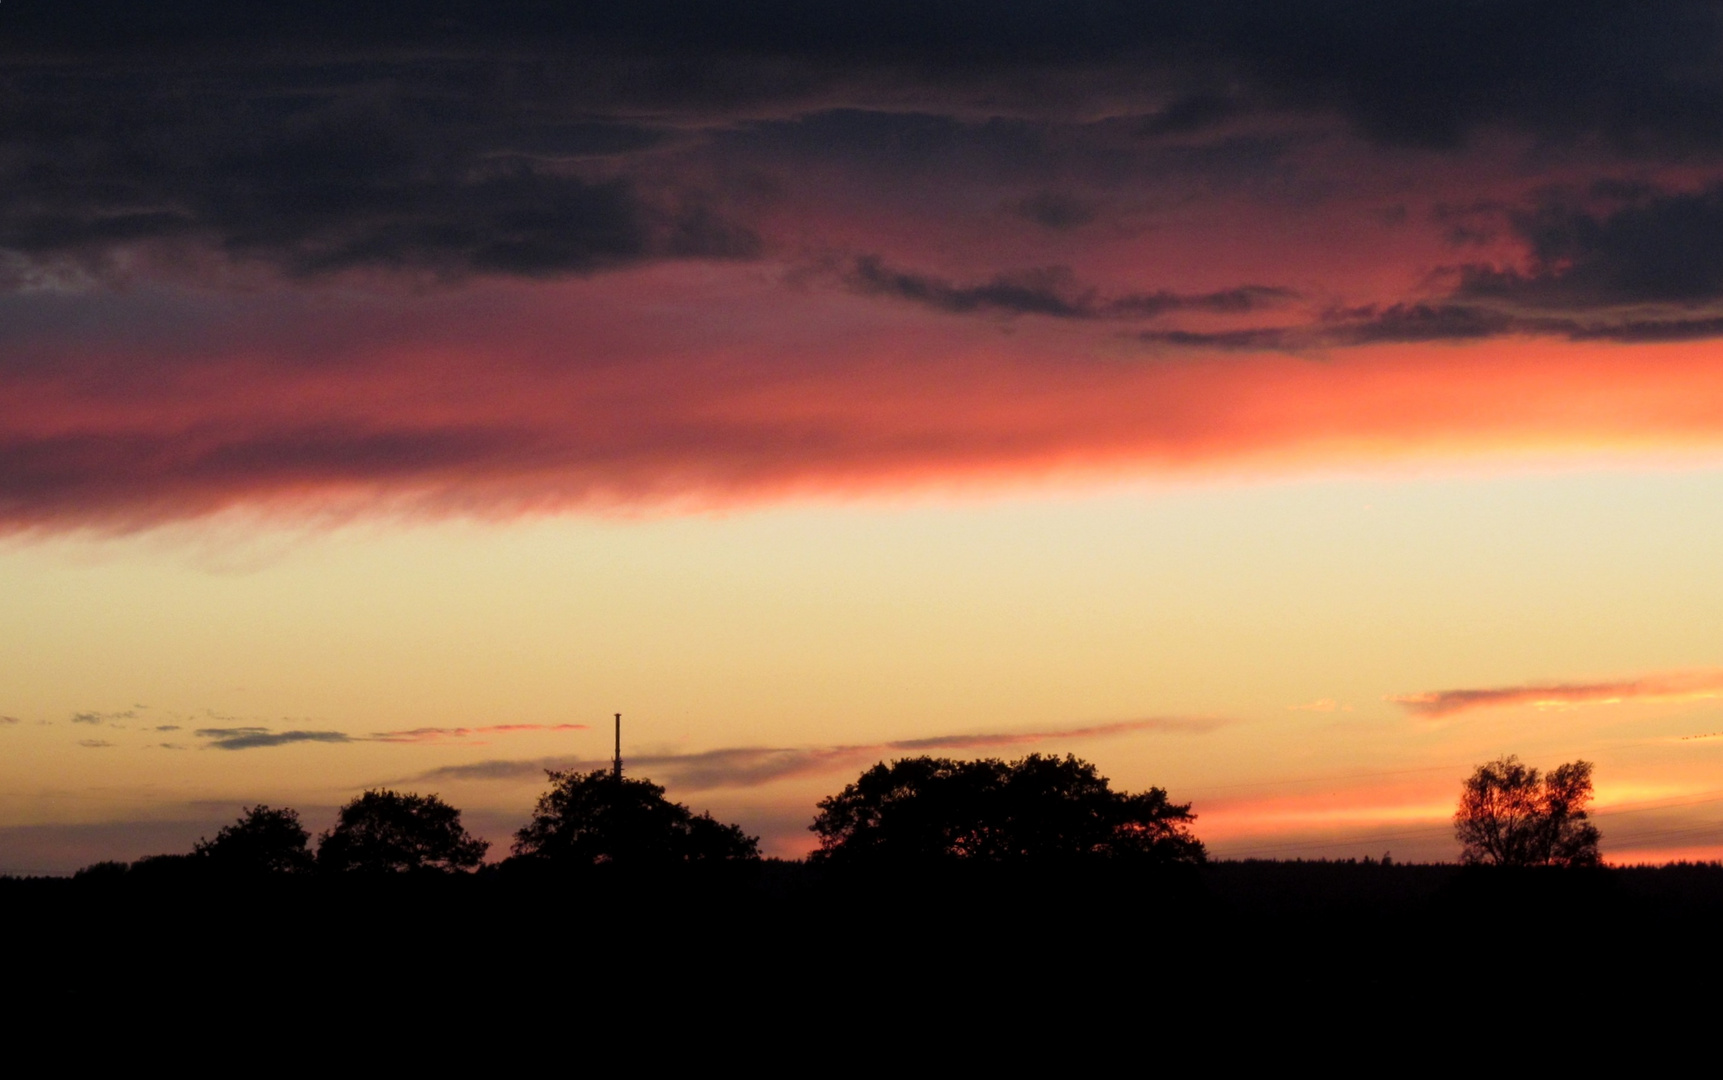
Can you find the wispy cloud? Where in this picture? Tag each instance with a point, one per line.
(1320, 705)
(1676, 686)
(251, 738)
(9, 720)
(254, 737)
(94, 744)
(103, 717)
(754, 766)
(454, 734)
(1051, 291)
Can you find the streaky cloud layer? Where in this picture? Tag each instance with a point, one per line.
(494, 259)
(256, 737)
(568, 398)
(749, 766)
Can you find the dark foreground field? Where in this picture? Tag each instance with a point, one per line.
(813, 941)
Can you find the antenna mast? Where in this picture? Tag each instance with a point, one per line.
(616, 764)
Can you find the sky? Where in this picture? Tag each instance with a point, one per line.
(1291, 407)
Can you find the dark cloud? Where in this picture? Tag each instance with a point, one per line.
(449, 165)
(94, 744)
(752, 766)
(1650, 330)
(1657, 250)
(1253, 339)
(1190, 114)
(1454, 322)
(152, 152)
(168, 727)
(1418, 322)
(251, 738)
(1423, 72)
(1051, 291)
(1057, 210)
(319, 183)
(509, 137)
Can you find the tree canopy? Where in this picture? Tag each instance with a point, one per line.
(385, 831)
(1509, 815)
(263, 841)
(595, 817)
(1039, 808)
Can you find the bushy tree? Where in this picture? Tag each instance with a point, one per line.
(1509, 815)
(263, 841)
(106, 870)
(1037, 809)
(595, 817)
(388, 832)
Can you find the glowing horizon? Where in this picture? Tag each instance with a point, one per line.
(1333, 394)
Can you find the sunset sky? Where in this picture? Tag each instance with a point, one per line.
(1288, 405)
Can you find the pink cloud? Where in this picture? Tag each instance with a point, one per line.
(1680, 686)
(497, 402)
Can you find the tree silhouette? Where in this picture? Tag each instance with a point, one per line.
(597, 817)
(1511, 816)
(263, 841)
(388, 832)
(1037, 809)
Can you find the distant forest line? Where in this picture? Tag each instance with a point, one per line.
(941, 889)
(923, 814)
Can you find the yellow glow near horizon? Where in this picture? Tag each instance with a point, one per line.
(808, 626)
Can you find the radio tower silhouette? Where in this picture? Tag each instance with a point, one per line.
(616, 763)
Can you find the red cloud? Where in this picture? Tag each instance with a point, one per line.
(497, 402)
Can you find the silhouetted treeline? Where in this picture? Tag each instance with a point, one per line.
(916, 813)
(611, 893)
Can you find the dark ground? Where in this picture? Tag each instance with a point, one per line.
(786, 939)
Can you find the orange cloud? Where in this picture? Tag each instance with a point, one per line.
(1681, 686)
